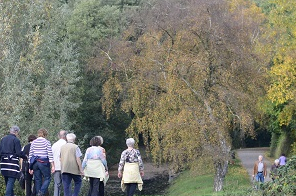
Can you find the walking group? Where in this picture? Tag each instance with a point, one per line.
(38, 162)
(260, 168)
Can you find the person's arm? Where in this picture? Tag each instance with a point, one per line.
(265, 169)
(78, 160)
(84, 162)
(121, 164)
(50, 156)
(254, 169)
(102, 156)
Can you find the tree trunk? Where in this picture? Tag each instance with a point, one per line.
(221, 167)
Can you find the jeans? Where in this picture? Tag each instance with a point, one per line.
(41, 172)
(66, 179)
(260, 177)
(9, 181)
(130, 188)
(96, 187)
(57, 176)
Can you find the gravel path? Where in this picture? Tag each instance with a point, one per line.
(248, 156)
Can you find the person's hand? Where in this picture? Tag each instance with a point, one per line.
(31, 171)
(119, 174)
(107, 173)
(52, 169)
(81, 173)
(142, 173)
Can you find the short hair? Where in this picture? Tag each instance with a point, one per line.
(31, 138)
(71, 137)
(14, 129)
(42, 133)
(276, 161)
(130, 142)
(62, 134)
(96, 141)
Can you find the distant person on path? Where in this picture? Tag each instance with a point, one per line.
(95, 167)
(56, 150)
(25, 167)
(10, 151)
(71, 166)
(283, 159)
(43, 165)
(274, 168)
(131, 168)
(260, 169)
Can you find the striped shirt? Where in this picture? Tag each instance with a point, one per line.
(41, 147)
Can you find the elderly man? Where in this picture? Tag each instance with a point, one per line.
(71, 166)
(260, 169)
(10, 150)
(56, 150)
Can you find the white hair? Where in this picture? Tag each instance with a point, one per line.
(130, 142)
(71, 137)
(100, 138)
(14, 129)
(276, 161)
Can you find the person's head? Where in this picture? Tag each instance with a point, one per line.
(260, 158)
(42, 133)
(130, 142)
(276, 162)
(14, 130)
(96, 141)
(283, 154)
(31, 138)
(71, 137)
(62, 134)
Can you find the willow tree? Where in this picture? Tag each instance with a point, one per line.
(186, 71)
(38, 67)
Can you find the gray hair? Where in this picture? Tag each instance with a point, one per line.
(14, 129)
(276, 161)
(130, 142)
(100, 138)
(71, 137)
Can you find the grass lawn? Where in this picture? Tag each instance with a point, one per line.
(191, 184)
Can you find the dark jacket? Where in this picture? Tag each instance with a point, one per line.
(10, 151)
(25, 157)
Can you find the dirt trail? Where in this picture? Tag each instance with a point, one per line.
(248, 156)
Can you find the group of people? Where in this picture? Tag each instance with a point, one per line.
(260, 168)
(38, 161)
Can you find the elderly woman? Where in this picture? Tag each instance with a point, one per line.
(131, 168)
(95, 166)
(41, 149)
(274, 170)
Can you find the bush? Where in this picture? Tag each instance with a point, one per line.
(285, 184)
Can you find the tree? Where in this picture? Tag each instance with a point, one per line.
(279, 104)
(186, 72)
(39, 68)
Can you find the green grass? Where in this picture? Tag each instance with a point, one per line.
(191, 184)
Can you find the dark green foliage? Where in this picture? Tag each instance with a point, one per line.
(285, 184)
(90, 120)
